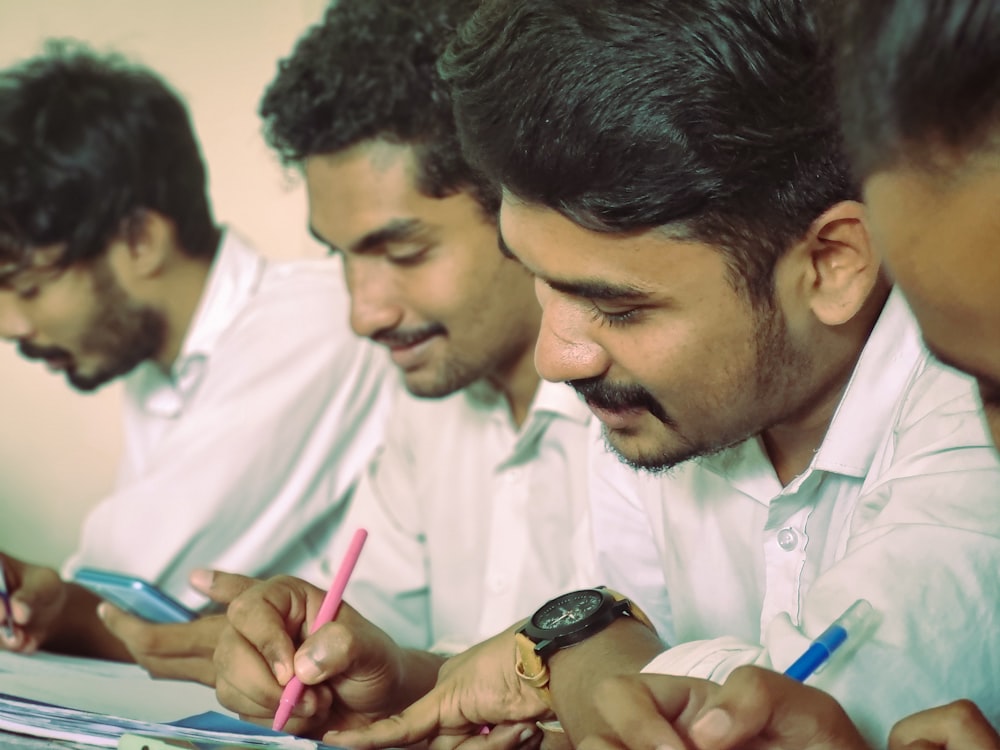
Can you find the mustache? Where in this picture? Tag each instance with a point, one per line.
(619, 397)
(33, 351)
(395, 338)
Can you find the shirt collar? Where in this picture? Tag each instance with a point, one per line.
(885, 366)
(234, 276)
(859, 422)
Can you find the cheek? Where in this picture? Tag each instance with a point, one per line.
(684, 354)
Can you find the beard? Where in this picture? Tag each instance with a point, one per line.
(121, 335)
(766, 393)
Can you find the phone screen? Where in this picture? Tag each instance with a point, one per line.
(133, 595)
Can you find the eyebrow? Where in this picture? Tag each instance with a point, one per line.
(397, 230)
(601, 290)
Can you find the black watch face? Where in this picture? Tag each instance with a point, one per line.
(567, 610)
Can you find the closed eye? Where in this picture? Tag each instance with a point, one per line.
(614, 317)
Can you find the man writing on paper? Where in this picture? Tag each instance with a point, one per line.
(476, 499)
(249, 408)
(673, 176)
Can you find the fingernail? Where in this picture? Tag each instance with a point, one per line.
(307, 665)
(281, 673)
(526, 735)
(103, 610)
(713, 726)
(201, 579)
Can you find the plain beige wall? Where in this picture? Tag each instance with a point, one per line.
(59, 448)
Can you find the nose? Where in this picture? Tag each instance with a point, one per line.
(374, 296)
(565, 350)
(14, 324)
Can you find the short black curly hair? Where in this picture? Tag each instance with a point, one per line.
(368, 70)
(87, 142)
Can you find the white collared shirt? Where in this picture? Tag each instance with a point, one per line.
(900, 506)
(473, 523)
(243, 457)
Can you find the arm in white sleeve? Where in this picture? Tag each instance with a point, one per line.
(287, 415)
(922, 544)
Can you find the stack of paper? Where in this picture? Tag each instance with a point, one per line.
(103, 730)
(95, 702)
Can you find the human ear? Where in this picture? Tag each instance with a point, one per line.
(843, 267)
(142, 248)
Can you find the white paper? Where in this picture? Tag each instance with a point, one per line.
(101, 686)
(94, 702)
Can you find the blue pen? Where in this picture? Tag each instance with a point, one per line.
(8, 614)
(851, 623)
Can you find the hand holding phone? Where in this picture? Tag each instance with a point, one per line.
(134, 595)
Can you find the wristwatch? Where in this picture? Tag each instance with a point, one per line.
(564, 621)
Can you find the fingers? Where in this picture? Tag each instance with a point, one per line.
(413, 725)
(636, 711)
(757, 702)
(19, 641)
(38, 589)
(245, 682)
(518, 736)
(957, 726)
(350, 647)
(169, 651)
(737, 711)
(37, 598)
(266, 616)
(220, 587)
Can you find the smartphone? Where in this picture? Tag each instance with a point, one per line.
(133, 595)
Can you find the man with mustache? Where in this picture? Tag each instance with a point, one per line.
(919, 104)
(477, 499)
(674, 177)
(250, 409)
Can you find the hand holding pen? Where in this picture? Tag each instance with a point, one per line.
(327, 611)
(33, 603)
(6, 612)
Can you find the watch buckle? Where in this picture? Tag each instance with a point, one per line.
(538, 680)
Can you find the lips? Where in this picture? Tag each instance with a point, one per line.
(412, 355)
(617, 419)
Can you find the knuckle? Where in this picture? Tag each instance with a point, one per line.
(965, 712)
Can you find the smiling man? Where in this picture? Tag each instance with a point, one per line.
(674, 178)
(250, 409)
(476, 505)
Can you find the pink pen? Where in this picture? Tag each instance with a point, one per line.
(327, 611)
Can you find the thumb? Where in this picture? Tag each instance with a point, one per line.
(220, 587)
(118, 621)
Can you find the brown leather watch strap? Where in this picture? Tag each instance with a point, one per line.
(532, 669)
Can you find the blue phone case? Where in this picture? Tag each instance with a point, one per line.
(133, 595)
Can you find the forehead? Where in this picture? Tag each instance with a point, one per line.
(372, 186)
(362, 184)
(940, 239)
(559, 251)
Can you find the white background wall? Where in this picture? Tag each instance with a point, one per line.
(59, 448)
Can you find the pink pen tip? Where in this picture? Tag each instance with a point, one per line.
(282, 715)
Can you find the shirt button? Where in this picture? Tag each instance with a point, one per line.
(499, 585)
(788, 539)
(513, 475)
